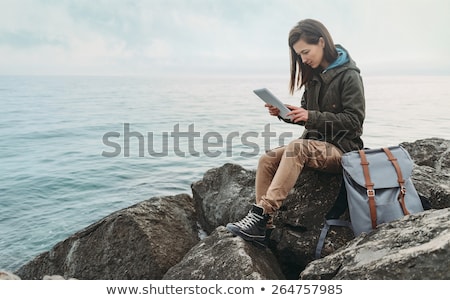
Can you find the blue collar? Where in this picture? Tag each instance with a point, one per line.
(340, 60)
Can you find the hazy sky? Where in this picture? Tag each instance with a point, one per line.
(90, 37)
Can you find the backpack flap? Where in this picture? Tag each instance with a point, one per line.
(381, 170)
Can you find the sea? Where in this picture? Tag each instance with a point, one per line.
(75, 149)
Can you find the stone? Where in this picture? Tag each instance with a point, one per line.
(221, 256)
(6, 275)
(139, 242)
(414, 247)
(224, 195)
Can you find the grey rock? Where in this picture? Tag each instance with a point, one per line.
(414, 247)
(139, 242)
(431, 152)
(431, 174)
(56, 277)
(433, 185)
(225, 194)
(221, 256)
(6, 275)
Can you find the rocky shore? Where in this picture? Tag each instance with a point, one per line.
(183, 236)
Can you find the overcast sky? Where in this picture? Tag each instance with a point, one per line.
(119, 37)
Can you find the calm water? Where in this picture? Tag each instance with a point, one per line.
(64, 161)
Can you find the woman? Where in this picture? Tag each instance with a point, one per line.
(332, 111)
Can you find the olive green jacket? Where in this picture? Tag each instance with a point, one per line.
(336, 107)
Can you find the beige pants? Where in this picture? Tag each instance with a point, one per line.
(279, 169)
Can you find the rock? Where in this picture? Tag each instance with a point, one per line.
(221, 256)
(300, 220)
(431, 174)
(55, 277)
(139, 242)
(224, 195)
(432, 152)
(433, 185)
(414, 247)
(5, 275)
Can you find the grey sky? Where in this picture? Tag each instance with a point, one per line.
(82, 37)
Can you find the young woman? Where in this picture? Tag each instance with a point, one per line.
(332, 111)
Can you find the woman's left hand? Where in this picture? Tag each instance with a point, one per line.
(297, 114)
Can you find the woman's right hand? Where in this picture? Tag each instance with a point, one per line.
(273, 111)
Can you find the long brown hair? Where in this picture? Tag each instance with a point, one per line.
(310, 31)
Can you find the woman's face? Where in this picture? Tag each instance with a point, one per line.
(311, 54)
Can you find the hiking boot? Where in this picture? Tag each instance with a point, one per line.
(252, 227)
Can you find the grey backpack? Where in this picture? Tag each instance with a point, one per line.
(379, 187)
(376, 188)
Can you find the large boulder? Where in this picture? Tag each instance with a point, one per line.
(139, 242)
(431, 175)
(414, 247)
(6, 275)
(224, 194)
(222, 256)
(431, 152)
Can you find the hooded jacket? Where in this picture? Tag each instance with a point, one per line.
(335, 102)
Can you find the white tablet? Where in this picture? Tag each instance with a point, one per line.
(269, 98)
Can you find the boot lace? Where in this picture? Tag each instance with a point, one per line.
(249, 221)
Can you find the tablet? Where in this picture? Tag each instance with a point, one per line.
(269, 98)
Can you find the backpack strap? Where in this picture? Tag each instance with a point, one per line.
(401, 181)
(369, 187)
(323, 233)
(340, 204)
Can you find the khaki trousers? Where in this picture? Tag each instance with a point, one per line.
(279, 169)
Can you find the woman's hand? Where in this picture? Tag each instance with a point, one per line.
(297, 114)
(273, 111)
